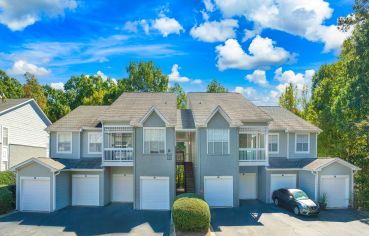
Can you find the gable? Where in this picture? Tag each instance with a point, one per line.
(154, 120)
(218, 121)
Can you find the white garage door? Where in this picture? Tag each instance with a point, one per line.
(248, 186)
(336, 188)
(122, 188)
(154, 193)
(219, 191)
(85, 190)
(35, 194)
(278, 181)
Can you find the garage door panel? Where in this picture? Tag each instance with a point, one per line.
(85, 190)
(219, 191)
(35, 194)
(155, 193)
(278, 181)
(336, 189)
(122, 188)
(248, 186)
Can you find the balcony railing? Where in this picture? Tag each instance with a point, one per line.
(118, 154)
(252, 154)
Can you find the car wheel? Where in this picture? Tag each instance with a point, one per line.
(276, 202)
(296, 210)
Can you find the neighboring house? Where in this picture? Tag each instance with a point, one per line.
(22, 131)
(231, 150)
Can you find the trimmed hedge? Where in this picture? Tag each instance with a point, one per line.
(6, 200)
(190, 195)
(7, 178)
(191, 215)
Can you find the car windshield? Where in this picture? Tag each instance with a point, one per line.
(300, 195)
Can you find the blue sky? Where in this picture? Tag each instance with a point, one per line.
(252, 47)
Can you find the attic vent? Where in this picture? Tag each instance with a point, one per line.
(118, 129)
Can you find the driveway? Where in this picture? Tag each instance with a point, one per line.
(117, 219)
(254, 218)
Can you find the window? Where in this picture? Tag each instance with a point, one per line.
(302, 143)
(154, 140)
(251, 140)
(5, 137)
(119, 140)
(64, 142)
(218, 141)
(273, 143)
(94, 142)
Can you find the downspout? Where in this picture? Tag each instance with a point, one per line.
(316, 182)
(288, 144)
(54, 188)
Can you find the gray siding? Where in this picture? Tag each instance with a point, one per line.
(307, 183)
(76, 146)
(262, 184)
(84, 145)
(20, 153)
(219, 165)
(312, 152)
(34, 170)
(63, 190)
(162, 165)
(282, 152)
(107, 185)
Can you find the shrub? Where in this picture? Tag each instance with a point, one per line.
(190, 195)
(7, 178)
(6, 200)
(191, 215)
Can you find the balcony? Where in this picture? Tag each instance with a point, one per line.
(252, 151)
(252, 154)
(118, 157)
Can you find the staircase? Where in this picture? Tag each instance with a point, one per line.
(189, 181)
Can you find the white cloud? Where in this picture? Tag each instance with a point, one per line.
(304, 18)
(262, 52)
(17, 15)
(166, 26)
(209, 5)
(57, 85)
(215, 31)
(196, 81)
(248, 92)
(174, 76)
(102, 75)
(249, 34)
(205, 15)
(20, 67)
(258, 77)
(132, 26)
(290, 76)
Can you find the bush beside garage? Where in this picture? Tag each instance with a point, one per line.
(7, 191)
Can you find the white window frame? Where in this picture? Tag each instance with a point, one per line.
(302, 152)
(2, 135)
(57, 142)
(207, 141)
(89, 141)
(165, 140)
(276, 152)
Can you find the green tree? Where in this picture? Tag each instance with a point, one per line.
(10, 87)
(289, 100)
(33, 89)
(145, 77)
(57, 103)
(215, 87)
(181, 96)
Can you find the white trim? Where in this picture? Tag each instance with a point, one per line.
(33, 159)
(288, 175)
(207, 141)
(302, 152)
(218, 177)
(282, 169)
(143, 140)
(347, 179)
(339, 160)
(316, 182)
(153, 109)
(278, 141)
(288, 145)
(154, 177)
(71, 142)
(83, 170)
(222, 112)
(316, 145)
(32, 178)
(54, 192)
(89, 139)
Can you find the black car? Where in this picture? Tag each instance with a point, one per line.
(295, 200)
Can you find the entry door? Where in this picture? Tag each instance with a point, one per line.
(219, 191)
(336, 188)
(248, 186)
(278, 181)
(35, 194)
(154, 193)
(85, 190)
(122, 188)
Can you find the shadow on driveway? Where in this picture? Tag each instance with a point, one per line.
(114, 218)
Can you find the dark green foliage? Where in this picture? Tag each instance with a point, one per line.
(181, 95)
(215, 87)
(191, 215)
(6, 200)
(10, 87)
(7, 178)
(190, 195)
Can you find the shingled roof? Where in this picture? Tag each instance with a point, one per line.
(79, 118)
(185, 119)
(237, 108)
(9, 103)
(285, 120)
(132, 108)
